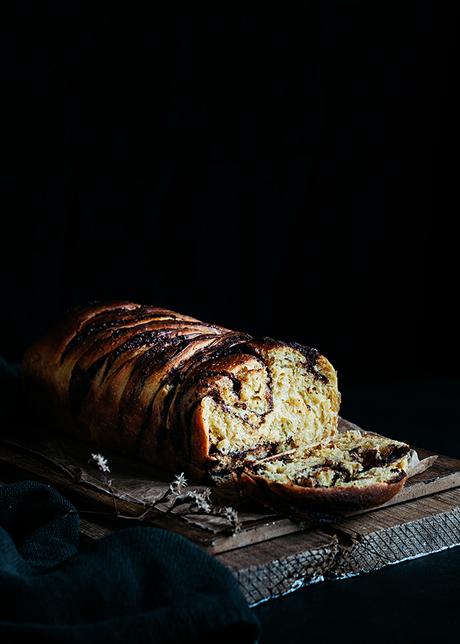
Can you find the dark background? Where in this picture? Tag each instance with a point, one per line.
(290, 169)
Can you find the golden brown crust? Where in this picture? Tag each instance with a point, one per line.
(97, 373)
(328, 500)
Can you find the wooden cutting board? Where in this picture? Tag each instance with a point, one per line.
(272, 555)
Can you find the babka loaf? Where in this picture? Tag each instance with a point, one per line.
(182, 394)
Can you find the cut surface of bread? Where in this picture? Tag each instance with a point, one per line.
(351, 471)
(349, 459)
(273, 401)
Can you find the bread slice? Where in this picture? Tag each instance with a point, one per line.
(351, 471)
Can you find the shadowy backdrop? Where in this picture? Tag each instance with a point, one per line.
(284, 169)
(290, 169)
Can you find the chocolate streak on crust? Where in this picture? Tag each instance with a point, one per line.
(137, 341)
(185, 379)
(175, 378)
(138, 337)
(146, 333)
(118, 315)
(182, 382)
(81, 378)
(123, 327)
(80, 384)
(165, 381)
(146, 365)
(154, 326)
(100, 322)
(311, 355)
(203, 375)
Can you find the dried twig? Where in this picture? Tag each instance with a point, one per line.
(185, 502)
(104, 469)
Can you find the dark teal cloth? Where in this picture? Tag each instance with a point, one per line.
(138, 585)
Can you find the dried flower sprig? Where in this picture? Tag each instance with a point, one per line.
(101, 463)
(200, 501)
(179, 484)
(231, 515)
(185, 502)
(103, 466)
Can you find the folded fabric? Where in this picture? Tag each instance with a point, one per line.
(138, 585)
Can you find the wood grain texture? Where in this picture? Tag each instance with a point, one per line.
(354, 546)
(275, 555)
(20, 460)
(273, 568)
(18, 466)
(423, 526)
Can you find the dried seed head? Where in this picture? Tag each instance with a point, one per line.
(179, 483)
(101, 463)
(230, 514)
(200, 500)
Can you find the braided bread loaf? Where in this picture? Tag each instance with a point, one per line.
(182, 394)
